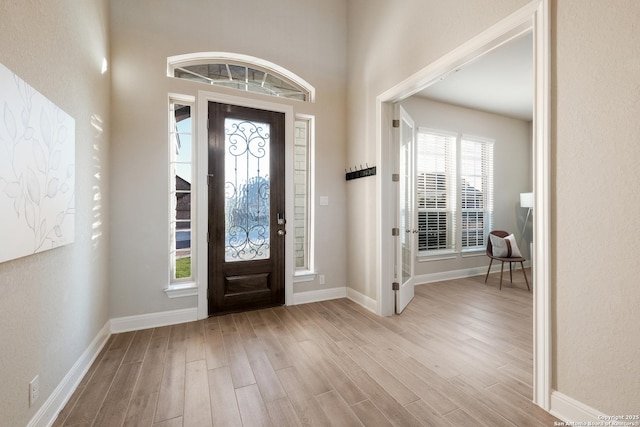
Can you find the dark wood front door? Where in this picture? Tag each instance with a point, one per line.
(246, 208)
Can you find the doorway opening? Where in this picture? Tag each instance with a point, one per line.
(532, 18)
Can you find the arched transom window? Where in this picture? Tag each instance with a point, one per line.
(241, 72)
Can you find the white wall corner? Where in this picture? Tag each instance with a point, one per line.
(50, 409)
(365, 301)
(335, 293)
(319, 295)
(153, 320)
(570, 410)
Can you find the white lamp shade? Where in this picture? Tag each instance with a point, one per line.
(526, 200)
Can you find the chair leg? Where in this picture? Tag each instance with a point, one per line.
(525, 276)
(488, 270)
(510, 273)
(501, 271)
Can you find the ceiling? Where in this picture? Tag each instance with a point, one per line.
(500, 82)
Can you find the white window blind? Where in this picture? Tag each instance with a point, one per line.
(476, 191)
(436, 190)
(302, 194)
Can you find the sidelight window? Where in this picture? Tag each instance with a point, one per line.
(302, 194)
(181, 180)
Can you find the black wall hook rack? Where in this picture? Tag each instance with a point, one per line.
(360, 173)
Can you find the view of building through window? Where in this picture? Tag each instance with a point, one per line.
(181, 179)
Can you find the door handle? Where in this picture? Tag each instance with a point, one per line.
(281, 232)
(281, 220)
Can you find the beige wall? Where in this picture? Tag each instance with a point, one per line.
(54, 303)
(595, 156)
(512, 168)
(596, 212)
(307, 38)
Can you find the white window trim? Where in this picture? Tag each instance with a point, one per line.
(470, 253)
(302, 276)
(204, 57)
(439, 256)
(181, 289)
(308, 274)
(186, 287)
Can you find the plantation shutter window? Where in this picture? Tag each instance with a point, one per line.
(436, 190)
(454, 186)
(476, 191)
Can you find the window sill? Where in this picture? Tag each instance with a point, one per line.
(437, 256)
(304, 276)
(474, 253)
(179, 290)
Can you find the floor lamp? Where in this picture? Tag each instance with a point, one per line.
(526, 201)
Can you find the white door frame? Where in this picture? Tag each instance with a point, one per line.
(532, 17)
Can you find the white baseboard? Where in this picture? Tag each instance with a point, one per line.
(458, 274)
(153, 320)
(50, 409)
(335, 293)
(365, 301)
(570, 410)
(319, 295)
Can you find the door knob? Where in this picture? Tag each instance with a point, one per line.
(281, 232)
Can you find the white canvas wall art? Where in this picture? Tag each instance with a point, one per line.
(37, 170)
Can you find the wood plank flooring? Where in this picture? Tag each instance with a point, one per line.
(460, 355)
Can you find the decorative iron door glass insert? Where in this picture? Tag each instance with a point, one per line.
(247, 202)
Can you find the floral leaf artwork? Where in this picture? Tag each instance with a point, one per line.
(37, 164)
(38, 155)
(33, 187)
(9, 122)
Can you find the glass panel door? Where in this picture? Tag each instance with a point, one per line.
(247, 205)
(406, 200)
(404, 147)
(247, 220)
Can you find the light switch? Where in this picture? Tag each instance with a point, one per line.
(324, 200)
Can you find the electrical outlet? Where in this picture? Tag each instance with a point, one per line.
(322, 279)
(34, 390)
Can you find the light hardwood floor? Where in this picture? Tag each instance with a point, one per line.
(460, 355)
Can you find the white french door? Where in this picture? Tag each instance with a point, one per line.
(405, 219)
